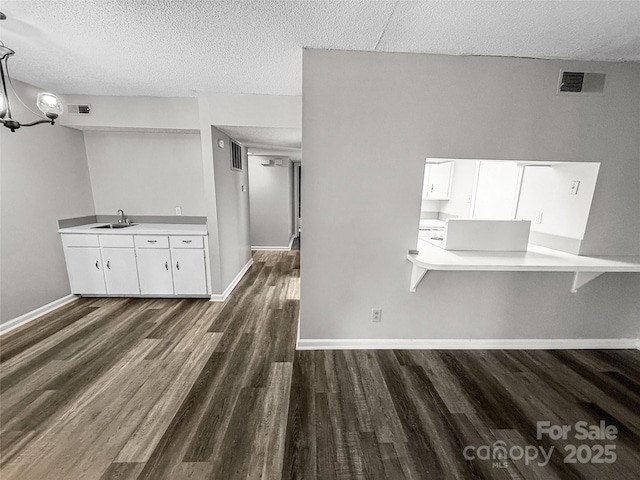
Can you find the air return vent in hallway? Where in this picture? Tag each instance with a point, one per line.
(79, 109)
(572, 83)
(236, 156)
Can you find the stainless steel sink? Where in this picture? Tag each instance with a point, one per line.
(117, 225)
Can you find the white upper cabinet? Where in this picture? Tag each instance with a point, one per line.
(437, 181)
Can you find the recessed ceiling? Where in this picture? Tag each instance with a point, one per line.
(177, 48)
(264, 136)
(267, 140)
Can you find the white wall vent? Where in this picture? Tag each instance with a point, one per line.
(271, 162)
(580, 83)
(79, 109)
(236, 156)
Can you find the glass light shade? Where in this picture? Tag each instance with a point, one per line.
(5, 52)
(49, 104)
(3, 106)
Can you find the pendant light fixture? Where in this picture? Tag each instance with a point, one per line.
(47, 103)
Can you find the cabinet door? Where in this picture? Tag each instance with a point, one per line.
(84, 266)
(154, 270)
(439, 179)
(120, 271)
(189, 271)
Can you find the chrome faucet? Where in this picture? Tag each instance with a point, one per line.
(123, 219)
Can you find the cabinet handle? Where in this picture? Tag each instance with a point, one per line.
(97, 266)
(166, 265)
(187, 241)
(178, 265)
(152, 241)
(108, 266)
(432, 187)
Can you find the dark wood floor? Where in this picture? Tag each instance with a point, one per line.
(188, 389)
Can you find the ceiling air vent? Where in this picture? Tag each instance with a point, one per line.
(572, 83)
(79, 109)
(236, 156)
(271, 162)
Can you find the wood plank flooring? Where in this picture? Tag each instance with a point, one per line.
(188, 389)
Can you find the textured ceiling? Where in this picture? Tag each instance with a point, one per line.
(177, 48)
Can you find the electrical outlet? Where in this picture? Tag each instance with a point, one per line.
(178, 210)
(538, 218)
(573, 189)
(376, 315)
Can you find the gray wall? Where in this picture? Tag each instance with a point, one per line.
(369, 121)
(44, 177)
(146, 173)
(271, 203)
(230, 206)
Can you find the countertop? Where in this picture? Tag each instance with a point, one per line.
(140, 229)
(536, 258)
(429, 223)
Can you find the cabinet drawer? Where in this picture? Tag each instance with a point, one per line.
(79, 240)
(116, 241)
(186, 241)
(151, 241)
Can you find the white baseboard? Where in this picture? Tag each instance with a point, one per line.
(467, 344)
(38, 312)
(277, 248)
(216, 297)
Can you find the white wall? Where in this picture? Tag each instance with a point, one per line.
(546, 190)
(271, 203)
(134, 113)
(146, 173)
(44, 177)
(357, 188)
(252, 110)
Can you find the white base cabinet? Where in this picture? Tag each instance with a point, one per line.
(154, 269)
(132, 265)
(188, 271)
(84, 265)
(120, 271)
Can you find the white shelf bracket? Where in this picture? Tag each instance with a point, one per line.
(582, 278)
(417, 273)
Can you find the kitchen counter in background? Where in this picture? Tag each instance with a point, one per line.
(428, 223)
